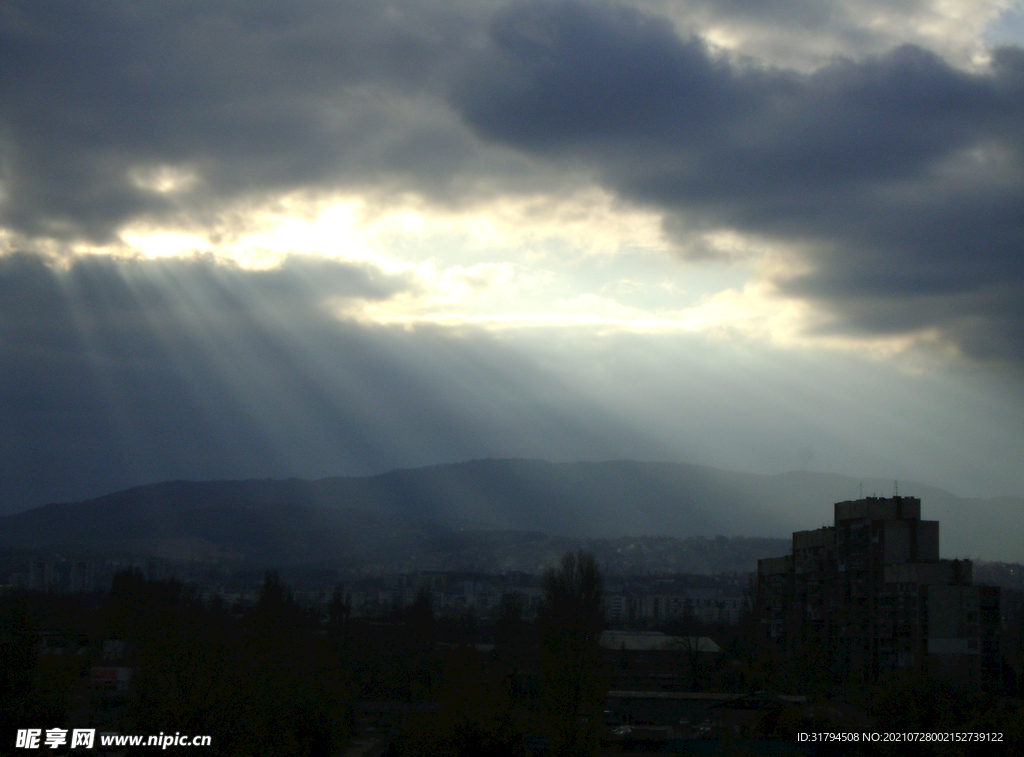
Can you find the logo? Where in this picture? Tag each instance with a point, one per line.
(29, 738)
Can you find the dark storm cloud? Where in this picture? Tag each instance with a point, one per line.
(115, 373)
(253, 97)
(867, 164)
(584, 79)
(848, 158)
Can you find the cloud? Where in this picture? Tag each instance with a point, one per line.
(122, 111)
(892, 177)
(879, 170)
(805, 35)
(665, 118)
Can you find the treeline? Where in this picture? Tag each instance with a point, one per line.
(259, 682)
(276, 678)
(279, 679)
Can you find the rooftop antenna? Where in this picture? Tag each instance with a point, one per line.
(895, 489)
(860, 487)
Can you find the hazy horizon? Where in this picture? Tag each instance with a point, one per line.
(331, 238)
(861, 486)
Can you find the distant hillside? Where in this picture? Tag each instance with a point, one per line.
(426, 510)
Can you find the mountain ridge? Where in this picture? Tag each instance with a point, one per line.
(416, 508)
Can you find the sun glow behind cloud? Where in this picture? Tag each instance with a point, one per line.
(806, 36)
(528, 252)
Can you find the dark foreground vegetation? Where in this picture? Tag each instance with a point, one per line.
(278, 679)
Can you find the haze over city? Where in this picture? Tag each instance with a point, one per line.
(336, 238)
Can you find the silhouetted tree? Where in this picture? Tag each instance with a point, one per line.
(416, 642)
(339, 611)
(21, 700)
(261, 685)
(569, 623)
(138, 607)
(694, 649)
(510, 628)
(277, 607)
(18, 641)
(473, 719)
(511, 637)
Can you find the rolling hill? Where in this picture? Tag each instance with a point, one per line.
(435, 508)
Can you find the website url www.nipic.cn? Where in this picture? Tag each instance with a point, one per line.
(85, 738)
(162, 740)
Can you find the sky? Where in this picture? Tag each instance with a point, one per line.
(271, 239)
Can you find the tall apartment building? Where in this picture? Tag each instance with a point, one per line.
(872, 595)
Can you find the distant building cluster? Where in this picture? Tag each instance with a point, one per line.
(449, 593)
(871, 595)
(60, 576)
(640, 600)
(705, 605)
